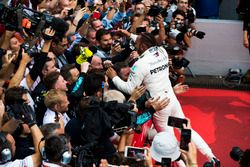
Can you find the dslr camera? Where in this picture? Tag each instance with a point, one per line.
(156, 10)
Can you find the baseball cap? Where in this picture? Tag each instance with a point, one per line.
(165, 145)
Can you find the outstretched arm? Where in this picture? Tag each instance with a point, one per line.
(135, 79)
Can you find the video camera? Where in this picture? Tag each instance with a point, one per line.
(84, 155)
(121, 115)
(33, 22)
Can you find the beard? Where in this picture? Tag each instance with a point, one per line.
(107, 49)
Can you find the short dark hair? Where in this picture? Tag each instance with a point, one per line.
(65, 71)
(94, 83)
(148, 39)
(179, 12)
(15, 95)
(54, 147)
(100, 33)
(50, 79)
(119, 65)
(48, 129)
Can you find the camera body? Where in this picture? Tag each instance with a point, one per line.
(33, 22)
(85, 156)
(156, 10)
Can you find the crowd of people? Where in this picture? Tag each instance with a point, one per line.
(80, 78)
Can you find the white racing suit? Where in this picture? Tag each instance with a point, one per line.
(152, 71)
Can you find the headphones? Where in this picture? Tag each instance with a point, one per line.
(65, 154)
(5, 152)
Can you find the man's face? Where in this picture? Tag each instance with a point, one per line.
(140, 9)
(96, 62)
(179, 19)
(182, 5)
(97, 25)
(124, 73)
(61, 84)
(14, 44)
(163, 3)
(106, 42)
(63, 105)
(92, 37)
(59, 49)
(50, 66)
(74, 75)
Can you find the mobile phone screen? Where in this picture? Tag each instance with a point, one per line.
(185, 139)
(176, 122)
(135, 152)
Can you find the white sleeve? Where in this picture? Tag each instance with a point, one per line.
(133, 37)
(136, 77)
(26, 162)
(48, 118)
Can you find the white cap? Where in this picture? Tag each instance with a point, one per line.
(165, 145)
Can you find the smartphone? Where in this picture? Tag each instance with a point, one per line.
(135, 152)
(166, 162)
(176, 122)
(185, 139)
(140, 30)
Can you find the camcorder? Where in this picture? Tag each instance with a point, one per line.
(85, 156)
(121, 114)
(184, 29)
(32, 22)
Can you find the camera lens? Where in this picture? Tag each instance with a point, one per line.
(236, 153)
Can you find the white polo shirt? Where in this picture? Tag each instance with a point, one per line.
(50, 117)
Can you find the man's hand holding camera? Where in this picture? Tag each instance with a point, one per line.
(48, 35)
(24, 113)
(25, 57)
(116, 49)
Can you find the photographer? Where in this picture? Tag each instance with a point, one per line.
(176, 25)
(7, 142)
(57, 150)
